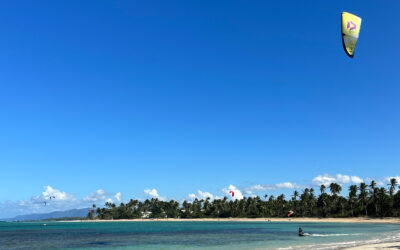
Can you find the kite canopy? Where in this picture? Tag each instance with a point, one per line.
(351, 25)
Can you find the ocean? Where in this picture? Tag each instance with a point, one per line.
(191, 235)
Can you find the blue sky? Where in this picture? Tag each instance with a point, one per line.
(181, 96)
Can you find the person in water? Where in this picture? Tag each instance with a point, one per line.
(301, 233)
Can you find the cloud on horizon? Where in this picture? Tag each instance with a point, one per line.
(203, 196)
(283, 185)
(238, 194)
(152, 193)
(327, 179)
(98, 195)
(118, 196)
(45, 203)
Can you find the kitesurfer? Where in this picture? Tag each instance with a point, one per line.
(301, 233)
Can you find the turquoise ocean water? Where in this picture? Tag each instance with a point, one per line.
(191, 235)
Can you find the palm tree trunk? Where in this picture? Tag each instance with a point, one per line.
(351, 205)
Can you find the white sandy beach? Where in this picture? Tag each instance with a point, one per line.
(334, 220)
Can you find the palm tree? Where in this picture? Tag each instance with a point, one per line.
(352, 197)
(295, 194)
(322, 188)
(304, 201)
(382, 199)
(322, 203)
(396, 203)
(363, 198)
(281, 204)
(393, 184)
(335, 188)
(312, 200)
(271, 206)
(206, 207)
(374, 190)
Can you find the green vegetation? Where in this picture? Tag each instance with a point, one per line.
(362, 200)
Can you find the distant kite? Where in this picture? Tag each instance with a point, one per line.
(290, 213)
(231, 192)
(351, 25)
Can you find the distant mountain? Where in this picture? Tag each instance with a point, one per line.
(53, 215)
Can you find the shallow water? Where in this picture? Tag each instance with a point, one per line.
(191, 235)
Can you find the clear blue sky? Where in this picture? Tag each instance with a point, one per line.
(193, 95)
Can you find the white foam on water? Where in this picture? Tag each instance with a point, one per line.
(395, 237)
(327, 235)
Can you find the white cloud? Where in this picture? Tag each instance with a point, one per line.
(327, 179)
(287, 185)
(342, 178)
(98, 195)
(118, 196)
(45, 203)
(284, 185)
(205, 195)
(50, 192)
(49, 200)
(202, 196)
(258, 187)
(153, 194)
(237, 193)
(387, 179)
(356, 179)
(318, 180)
(323, 180)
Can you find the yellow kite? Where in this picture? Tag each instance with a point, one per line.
(351, 25)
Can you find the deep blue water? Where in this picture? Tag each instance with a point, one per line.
(194, 235)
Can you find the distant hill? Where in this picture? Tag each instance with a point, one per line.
(53, 215)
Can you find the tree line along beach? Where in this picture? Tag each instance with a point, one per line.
(361, 201)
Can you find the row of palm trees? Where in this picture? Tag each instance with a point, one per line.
(361, 200)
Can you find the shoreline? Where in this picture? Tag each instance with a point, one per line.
(334, 220)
